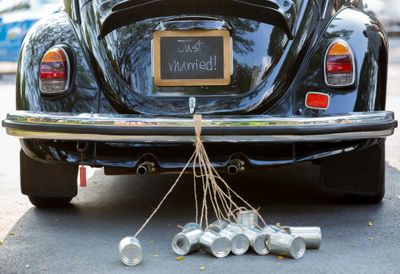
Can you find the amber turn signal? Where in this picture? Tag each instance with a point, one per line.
(54, 75)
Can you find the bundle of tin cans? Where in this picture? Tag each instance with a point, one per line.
(222, 238)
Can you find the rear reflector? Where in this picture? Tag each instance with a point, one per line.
(339, 65)
(317, 100)
(54, 71)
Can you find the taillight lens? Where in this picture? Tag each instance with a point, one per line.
(54, 73)
(339, 65)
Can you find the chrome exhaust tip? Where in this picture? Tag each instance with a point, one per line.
(145, 169)
(235, 167)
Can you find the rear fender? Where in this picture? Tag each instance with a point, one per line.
(84, 94)
(368, 41)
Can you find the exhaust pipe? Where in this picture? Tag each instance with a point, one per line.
(145, 169)
(235, 167)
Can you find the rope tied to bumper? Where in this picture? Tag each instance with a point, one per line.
(216, 191)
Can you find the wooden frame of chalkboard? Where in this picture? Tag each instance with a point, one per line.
(220, 75)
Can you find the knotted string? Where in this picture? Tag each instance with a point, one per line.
(215, 189)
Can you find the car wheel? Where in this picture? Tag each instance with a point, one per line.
(48, 184)
(49, 201)
(362, 199)
(358, 175)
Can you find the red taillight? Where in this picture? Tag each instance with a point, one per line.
(54, 71)
(339, 65)
(317, 100)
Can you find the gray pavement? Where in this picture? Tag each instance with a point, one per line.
(85, 237)
(12, 204)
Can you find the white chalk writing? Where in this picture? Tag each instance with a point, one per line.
(195, 65)
(189, 45)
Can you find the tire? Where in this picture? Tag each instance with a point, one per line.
(46, 202)
(48, 184)
(363, 199)
(359, 175)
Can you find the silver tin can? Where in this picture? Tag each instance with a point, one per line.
(311, 234)
(236, 228)
(247, 218)
(287, 245)
(188, 240)
(190, 227)
(130, 251)
(215, 244)
(239, 241)
(271, 229)
(258, 240)
(217, 226)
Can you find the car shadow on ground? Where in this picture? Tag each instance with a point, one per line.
(88, 232)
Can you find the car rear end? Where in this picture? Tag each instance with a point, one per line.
(276, 83)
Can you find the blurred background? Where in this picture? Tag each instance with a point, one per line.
(16, 18)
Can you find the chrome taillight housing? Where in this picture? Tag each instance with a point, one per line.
(339, 65)
(55, 71)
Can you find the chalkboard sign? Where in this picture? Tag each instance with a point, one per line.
(192, 58)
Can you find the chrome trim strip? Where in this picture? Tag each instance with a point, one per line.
(137, 121)
(325, 9)
(22, 124)
(334, 137)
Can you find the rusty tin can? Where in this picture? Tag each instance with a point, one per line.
(130, 251)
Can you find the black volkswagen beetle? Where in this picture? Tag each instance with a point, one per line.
(115, 84)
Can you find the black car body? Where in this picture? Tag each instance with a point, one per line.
(279, 106)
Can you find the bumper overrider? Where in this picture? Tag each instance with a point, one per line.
(217, 129)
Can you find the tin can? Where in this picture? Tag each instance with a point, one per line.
(235, 227)
(271, 229)
(247, 218)
(215, 244)
(217, 226)
(190, 227)
(239, 241)
(311, 234)
(258, 239)
(188, 240)
(287, 245)
(130, 251)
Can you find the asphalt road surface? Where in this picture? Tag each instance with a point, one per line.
(85, 237)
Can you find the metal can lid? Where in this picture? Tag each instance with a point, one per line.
(239, 244)
(297, 248)
(260, 244)
(130, 251)
(181, 244)
(221, 247)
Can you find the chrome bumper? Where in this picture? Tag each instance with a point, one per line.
(260, 128)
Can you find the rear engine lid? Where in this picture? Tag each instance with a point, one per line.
(262, 51)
